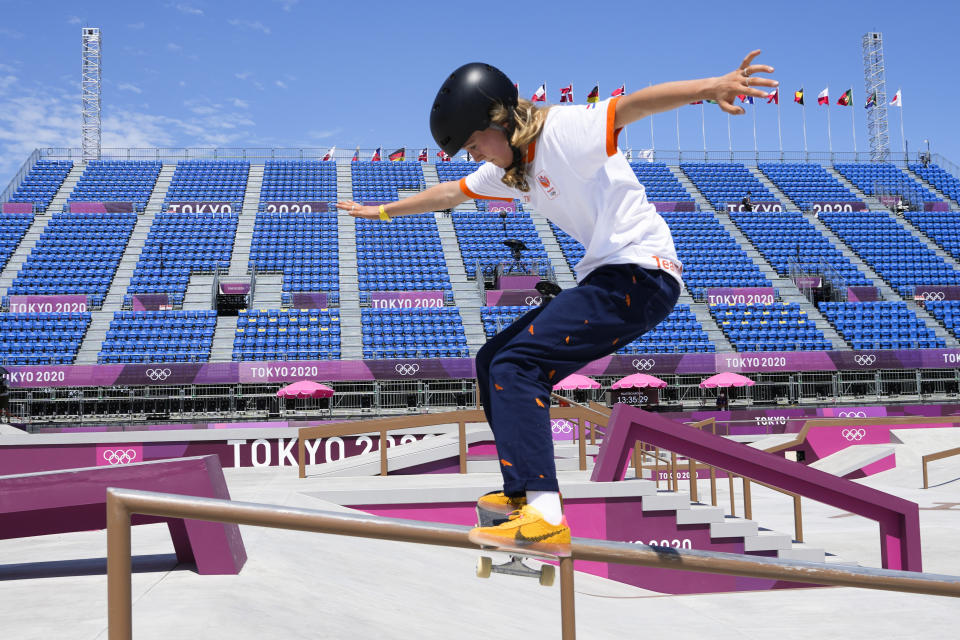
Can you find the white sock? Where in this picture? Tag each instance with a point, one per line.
(547, 503)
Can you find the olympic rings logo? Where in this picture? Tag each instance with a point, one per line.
(851, 414)
(932, 296)
(158, 374)
(864, 361)
(561, 426)
(407, 369)
(854, 435)
(643, 364)
(533, 301)
(119, 456)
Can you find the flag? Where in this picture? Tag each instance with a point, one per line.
(594, 94)
(356, 155)
(566, 93)
(897, 100)
(540, 95)
(376, 155)
(871, 101)
(423, 155)
(846, 100)
(824, 97)
(746, 99)
(619, 91)
(798, 96)
(443, 156)
(399, 155)
(329, 154)
(711, 102)
(697, 102)
(774, 97)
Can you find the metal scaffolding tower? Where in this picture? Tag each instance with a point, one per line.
(875, 79)
(90, 93)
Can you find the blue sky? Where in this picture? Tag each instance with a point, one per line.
(302, 73)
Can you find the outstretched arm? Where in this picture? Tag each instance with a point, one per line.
(670, 95)
(445, 195)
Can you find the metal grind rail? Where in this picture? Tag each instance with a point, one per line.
(123, 503)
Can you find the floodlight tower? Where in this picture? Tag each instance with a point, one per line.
(90, 93)
(875, 79)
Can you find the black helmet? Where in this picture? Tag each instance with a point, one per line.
(463, 104)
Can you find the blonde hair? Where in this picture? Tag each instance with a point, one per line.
(522, 124)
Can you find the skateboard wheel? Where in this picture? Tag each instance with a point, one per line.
(547, 575)
(485, 566)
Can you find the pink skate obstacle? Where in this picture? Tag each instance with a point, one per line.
(898, 518)
(35, 504)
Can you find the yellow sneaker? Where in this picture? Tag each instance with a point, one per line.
(526, 528)
(500, 503)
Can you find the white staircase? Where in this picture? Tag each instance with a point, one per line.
(351, 331)
(558, 261)
(245, 222)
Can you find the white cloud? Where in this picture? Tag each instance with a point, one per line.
(323, 133)
(254, 25)
(136, 25)
(182, 83)
(174, 47)
(126, 86)
(183, 7)
(240, 104)
(281, 84)
(74, 20)
(243, 75)
(49, 116)
(7, 81)
(10, 33)
(288, 4)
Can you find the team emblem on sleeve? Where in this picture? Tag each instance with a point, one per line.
(546, 185)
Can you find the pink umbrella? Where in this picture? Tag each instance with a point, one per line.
(727, 379)
(639, 381)
(305, 389)
(576, 381)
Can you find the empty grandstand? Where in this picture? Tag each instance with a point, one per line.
(407, 303)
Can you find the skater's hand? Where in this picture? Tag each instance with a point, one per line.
(358, 210)
(742, 82)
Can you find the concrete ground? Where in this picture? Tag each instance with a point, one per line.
(304, 585)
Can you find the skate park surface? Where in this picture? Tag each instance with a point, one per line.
(307, 585)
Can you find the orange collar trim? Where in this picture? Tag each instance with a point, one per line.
(531, 151)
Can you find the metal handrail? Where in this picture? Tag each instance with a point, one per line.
(381, 426)
(123, 503)
(940, 455)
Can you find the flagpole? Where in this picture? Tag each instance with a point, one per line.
(626, 129)
(853, 122)
(729, 137)
(652, 144)
(779, 130)
(829, 135)
(703, 130)
(678, 132)
(803, 110)
(756, 149)
(903, 139)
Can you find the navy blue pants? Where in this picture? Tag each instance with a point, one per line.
(517, 368)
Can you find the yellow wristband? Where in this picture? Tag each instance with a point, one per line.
(383, 214)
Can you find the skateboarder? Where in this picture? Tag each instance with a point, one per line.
(564, 162)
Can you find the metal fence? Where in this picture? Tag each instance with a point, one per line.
(122, 405)
(669, 156)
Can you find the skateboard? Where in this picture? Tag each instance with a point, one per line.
(516, 566)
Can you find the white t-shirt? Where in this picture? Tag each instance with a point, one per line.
(580, 180)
